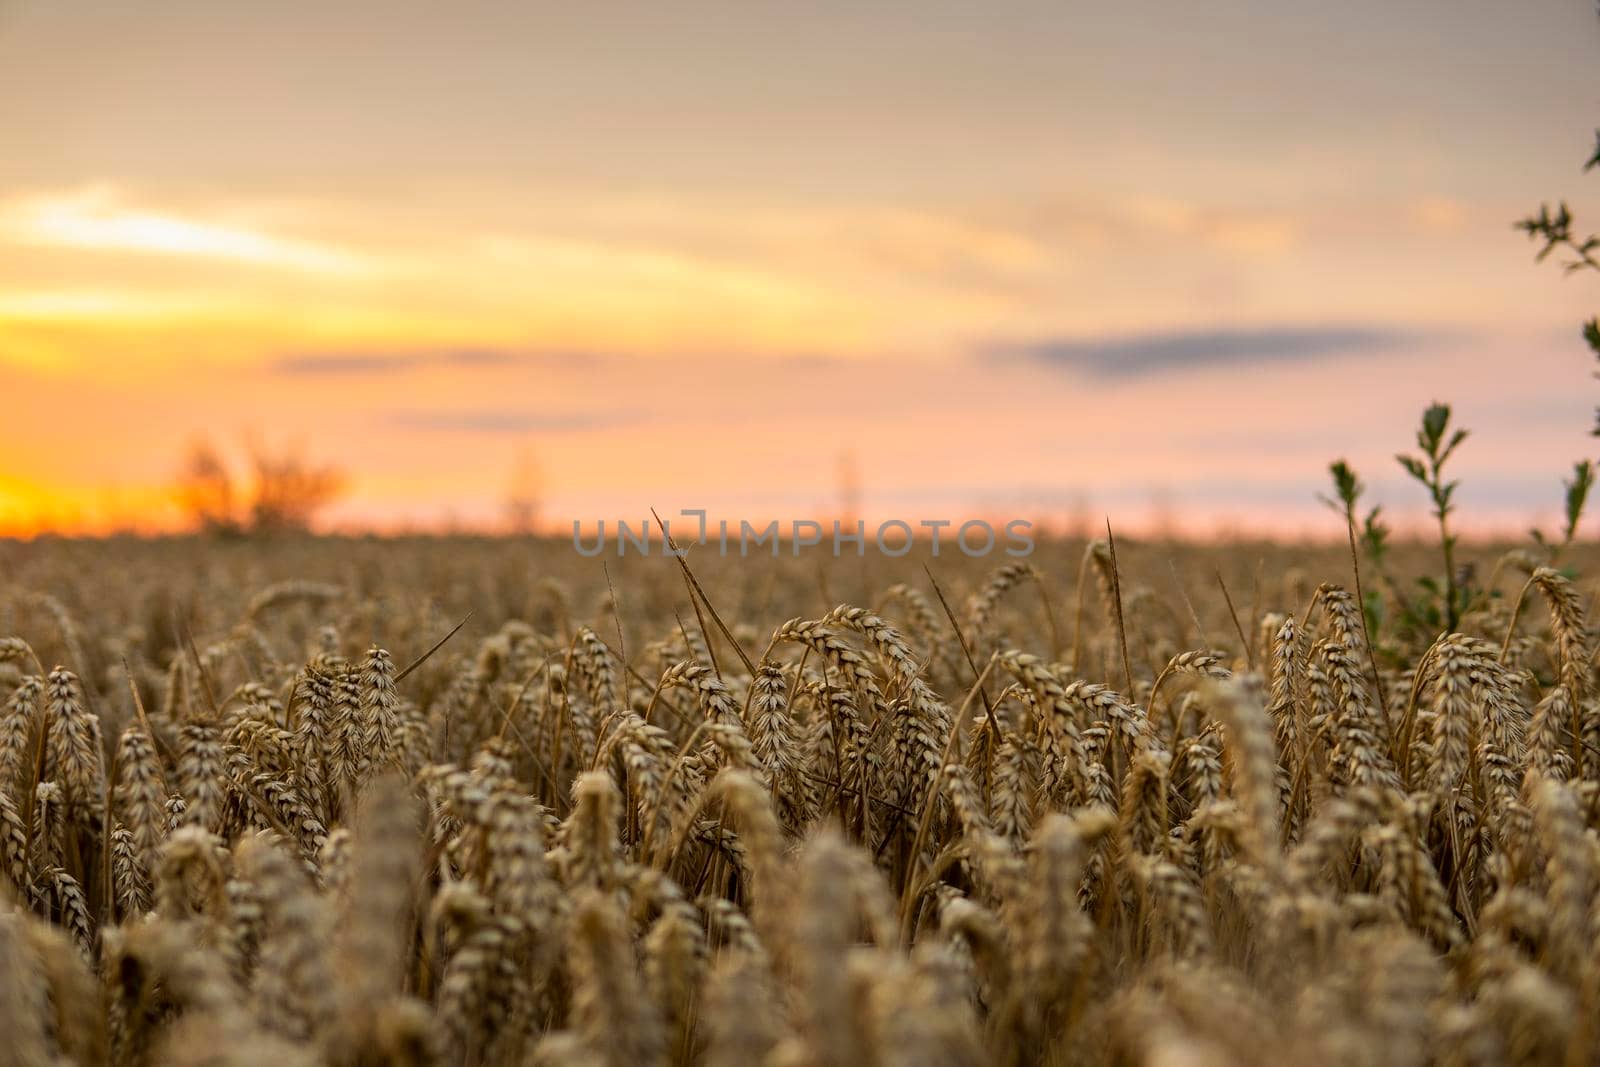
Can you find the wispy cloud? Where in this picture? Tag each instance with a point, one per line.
(385, 363)
(96, 219)
(1139, 355)
(388, 363)
(507, 421)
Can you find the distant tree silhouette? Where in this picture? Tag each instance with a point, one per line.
(285, 491)
(205, 490)
(288, 490)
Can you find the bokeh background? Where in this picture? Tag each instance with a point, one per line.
(500, 263)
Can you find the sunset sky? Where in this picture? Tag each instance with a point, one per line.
(1136, 257)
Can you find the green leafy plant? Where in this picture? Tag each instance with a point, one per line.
(1577, 497)
(1368, 531)
(1372, 533)
(1554, 228)
(1446, 601)
(1411, 616)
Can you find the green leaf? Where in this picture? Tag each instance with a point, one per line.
(1413, 467)
(1374, 534)
(1434, 421)
(1345, 483)
(1577, 496)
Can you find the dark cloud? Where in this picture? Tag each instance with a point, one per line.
(1138, 355)
(341, 363)
(504, 421)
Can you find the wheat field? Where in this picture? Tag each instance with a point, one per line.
(1116, 803)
